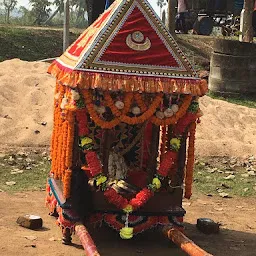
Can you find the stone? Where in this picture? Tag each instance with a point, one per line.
(252, 173)
(245, 175)
(16, 171)
(10, 183)
(224, 195)
(230, 177)
(30, 221)
(207, 226)
(31, 238)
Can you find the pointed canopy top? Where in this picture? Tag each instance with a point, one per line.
(127, 48)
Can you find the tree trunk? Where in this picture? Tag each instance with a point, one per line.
(52, 16)
(8, 16)
(246, 22)
(171, 15)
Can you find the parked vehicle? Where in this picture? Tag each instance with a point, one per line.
(203, 15)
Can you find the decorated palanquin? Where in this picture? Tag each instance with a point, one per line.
(126, 109)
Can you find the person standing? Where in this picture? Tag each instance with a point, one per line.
(180, 19)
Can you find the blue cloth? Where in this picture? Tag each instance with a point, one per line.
(107, 4)
(239, 4)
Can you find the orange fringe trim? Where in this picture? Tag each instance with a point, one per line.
(190, 162)
(128, 83)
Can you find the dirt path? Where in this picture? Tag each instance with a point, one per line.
(237, 237)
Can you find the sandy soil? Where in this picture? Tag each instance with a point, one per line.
(26, 95)
(237, 236)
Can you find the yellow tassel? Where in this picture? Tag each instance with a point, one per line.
(126, 233)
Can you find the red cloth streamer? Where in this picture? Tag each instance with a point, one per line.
(168, 159)
(93, 163)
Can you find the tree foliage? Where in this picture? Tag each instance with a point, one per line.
(9, 5)
(40, 10)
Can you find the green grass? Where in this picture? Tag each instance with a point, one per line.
(30, 44)
(208, 182)
(239, 99)
(34, 172)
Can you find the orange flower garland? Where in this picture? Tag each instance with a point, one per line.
(70, 139)
(190, 161)
(67, 183)
(140, 102)
(93, 114)
(172, 120)
(114, 109)
(146, 115)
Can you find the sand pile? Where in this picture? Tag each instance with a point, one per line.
(26, 96)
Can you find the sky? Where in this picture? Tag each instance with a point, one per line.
(26, 4)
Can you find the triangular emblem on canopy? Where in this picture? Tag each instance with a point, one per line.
(128, 39)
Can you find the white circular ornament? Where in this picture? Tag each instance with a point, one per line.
(168, 112)
(75, 95)
(101, 109)
(56, 96)
(119, 104)
(160, 114)
(136, 110)
(175, 108)
(64, 102)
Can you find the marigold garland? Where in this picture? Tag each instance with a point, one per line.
(146, 115)
(174, 119)
(70, 139)
(140, 102)
(190, 161)
(67, 183)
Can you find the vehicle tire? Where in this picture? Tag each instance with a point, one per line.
(203, 26)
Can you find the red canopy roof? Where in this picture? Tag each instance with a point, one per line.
(127, 48)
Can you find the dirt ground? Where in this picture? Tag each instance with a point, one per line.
(236, 215)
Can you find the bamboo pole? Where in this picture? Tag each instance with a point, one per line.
(66, 26)
(86, 241)
(184, 242)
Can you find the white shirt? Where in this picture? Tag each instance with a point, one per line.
(182, 6)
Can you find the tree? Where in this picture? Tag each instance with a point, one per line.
(26, 18)
(9, 5)
(171, 13)
(247, 28)
(40, 10)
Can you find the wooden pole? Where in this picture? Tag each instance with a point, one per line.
(86, 241)
(246, 22)
(66, 26)
(171, 15)
(184, 242)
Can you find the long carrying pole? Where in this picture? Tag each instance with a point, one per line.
(184, 243)
(66, 26)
